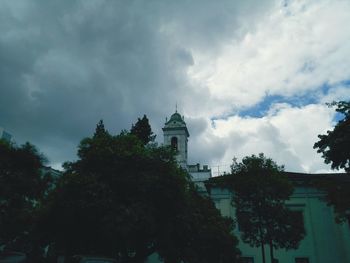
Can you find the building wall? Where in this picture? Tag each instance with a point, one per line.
(325, 241)
(182, 140)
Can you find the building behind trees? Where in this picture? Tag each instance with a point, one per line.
(325, 240)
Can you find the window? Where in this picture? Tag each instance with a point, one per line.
(299, 216)
(302, 260)
(246, 260)
(174, 143)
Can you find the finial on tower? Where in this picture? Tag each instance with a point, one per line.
(176, 107)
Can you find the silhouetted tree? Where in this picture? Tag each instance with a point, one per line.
(335, 149)
(129, 201)
(335, 145)
(22, 187)
(337, 190)
(142, 130)
(259, 193)
(100, 130)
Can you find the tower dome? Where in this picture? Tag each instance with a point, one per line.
(176, 117)
(176, 122)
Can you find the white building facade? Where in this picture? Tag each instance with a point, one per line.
(325, 240)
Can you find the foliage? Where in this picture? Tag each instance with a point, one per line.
(200, 234)
(338, 195)
(335, 149)
(128, 201)
(259, 193)
(100, 130)
(22, 186)
(335, 145)
(142, 130)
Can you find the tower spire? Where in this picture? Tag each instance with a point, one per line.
(176, 107)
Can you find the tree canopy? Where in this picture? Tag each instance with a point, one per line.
(22, 186)
(338, 195)
(335, 149)
(128, 201)
(142, 129)
(335, 145)
(260, 190)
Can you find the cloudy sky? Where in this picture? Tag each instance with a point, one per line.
(249, 76)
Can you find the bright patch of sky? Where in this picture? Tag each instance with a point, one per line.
(275, 80)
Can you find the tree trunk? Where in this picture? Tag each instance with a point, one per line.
(262, 245)
(271, 252)
(263, 251)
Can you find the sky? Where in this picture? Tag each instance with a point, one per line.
(248, 76)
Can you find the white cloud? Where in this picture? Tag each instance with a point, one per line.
(293, 50)
(337, 93)
(287, 134)
(297, 50)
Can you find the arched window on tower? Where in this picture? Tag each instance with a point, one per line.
(174, 143)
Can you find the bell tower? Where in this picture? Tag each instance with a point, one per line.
(176, 134)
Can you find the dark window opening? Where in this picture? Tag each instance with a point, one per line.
(246, 260)
(174, 143)
(302, 260)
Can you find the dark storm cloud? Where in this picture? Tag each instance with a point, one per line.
(66, 64)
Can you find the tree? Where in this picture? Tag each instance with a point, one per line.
(337, 195)
(142, 130)
(128, 201)
(200, 233)
(22, 186)
(259, 193)
(335, 149)
(335, 145)
(100, 130)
